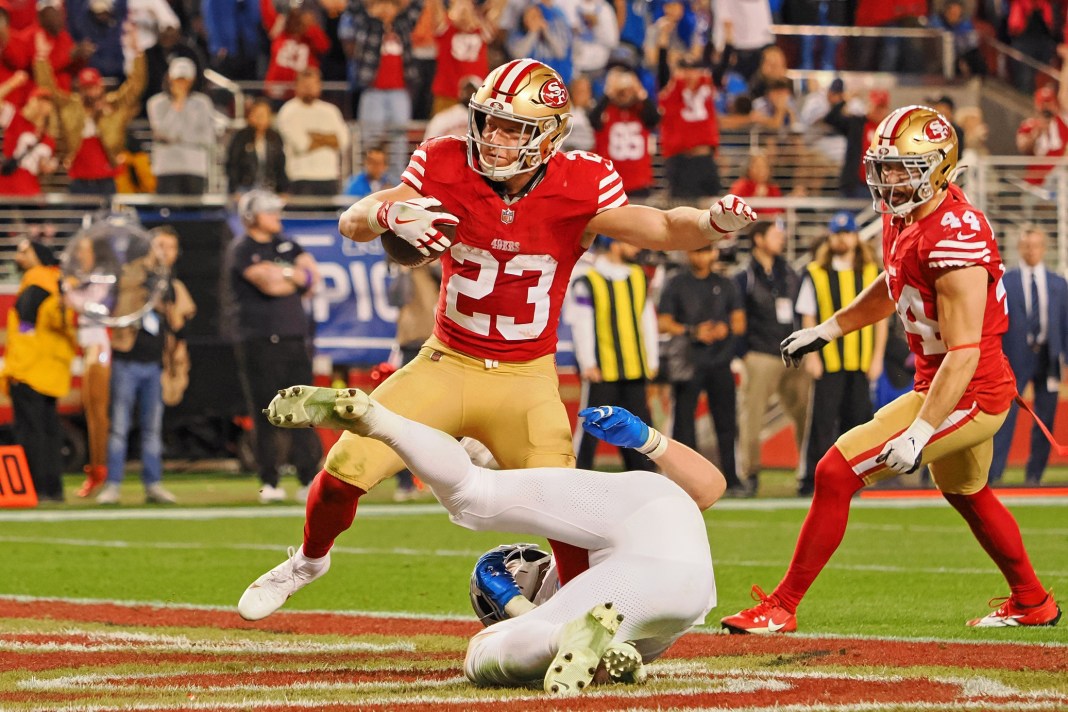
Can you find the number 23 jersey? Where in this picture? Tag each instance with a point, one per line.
(954, 236)
(503, 281)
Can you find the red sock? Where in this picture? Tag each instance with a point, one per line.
(330, 511)
(823, 529)
(999, 534)
(571, 560)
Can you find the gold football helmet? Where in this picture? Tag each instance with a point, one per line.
(912, 156)
(529, 93)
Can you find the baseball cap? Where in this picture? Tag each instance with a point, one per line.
(182, 68)
(879, 97)
(89, 77)
(842, 221)
(837, 86)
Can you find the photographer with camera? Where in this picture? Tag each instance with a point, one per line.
(1046, 132)
(29, 146)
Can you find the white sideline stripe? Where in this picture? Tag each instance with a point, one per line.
(401, 510)
(459, 553)
(194, 647)
(105, 680)
(119, 640)
(711, 629)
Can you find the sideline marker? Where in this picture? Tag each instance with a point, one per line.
(16, 485)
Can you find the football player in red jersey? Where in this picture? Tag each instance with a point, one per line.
(943, 277)
(524, 214)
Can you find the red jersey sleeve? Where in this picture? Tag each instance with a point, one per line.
(415, 173)
(964, 239)
(610, 193)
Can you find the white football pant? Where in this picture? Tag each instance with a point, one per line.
(649, 553)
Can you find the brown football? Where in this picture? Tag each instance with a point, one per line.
(403, 253)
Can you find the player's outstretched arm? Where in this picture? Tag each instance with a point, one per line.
(870, 307)
(698, 477)
(354, 224)
(675, 229)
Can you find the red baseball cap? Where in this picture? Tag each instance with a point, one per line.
(89, 77)
(879, 97)
(1045, 95)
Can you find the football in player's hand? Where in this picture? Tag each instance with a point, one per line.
(405, 253)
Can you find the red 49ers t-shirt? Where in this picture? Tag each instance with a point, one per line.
(504, 278)
(391, 65)
(459, 54)
(956, 235)
(689, 117)
(624, 140)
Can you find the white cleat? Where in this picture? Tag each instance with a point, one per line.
(313, 407)
(267, 593)
(269, 494)
(623, 663)
(583, 642)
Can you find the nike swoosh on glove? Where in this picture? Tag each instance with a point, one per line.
(904, 453)
(616, 426)
(730, 214)
(414, 222)
(805, 341)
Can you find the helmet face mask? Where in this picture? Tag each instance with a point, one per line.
(912, 157)
(530, 107)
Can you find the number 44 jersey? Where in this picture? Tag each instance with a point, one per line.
(504, 279)
(956, 235)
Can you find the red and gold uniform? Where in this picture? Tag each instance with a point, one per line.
(489, 371)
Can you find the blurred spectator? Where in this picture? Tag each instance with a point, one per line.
(967, 58)
(891, 54)
(544, 34)
(664, 40)
(137, 377)
(1045, 133)
(772, 71)
(622, 121)
(827, 147)
(170, 46)
(705, 310)
(616, 342)
(233, 31)
(29, 146)
(332, 63)
(817, 12)
(769, 287)
(149, 19)
(268, 276)
(21, 13)
(945, 106)
(454, 120)
(256, 156)
(689, 134)
(51, 32)
(183, 132)
(581, 137)
(374, 176)
(461, 35)
(972, 123)
(424, 58)
(15, 55)
(746, 26)
(757, 183)
(595, 34)
(93, 123)
(776, 110)
(632, 18)
(296, 43)
(134, 167)
(101, 23)
(176, 362)
(315, 137)
(1031, 31)
(843, 372)
(858, 131)
(380, 43)
(36, 372)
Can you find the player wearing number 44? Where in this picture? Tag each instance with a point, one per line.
(521, 210)
(943, 277)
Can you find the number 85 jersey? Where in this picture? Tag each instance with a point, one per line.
(504, 279)
(956, 235)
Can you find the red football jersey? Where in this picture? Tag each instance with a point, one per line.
(459, 54)
(624, 139)
(689, 117)
(503, 280)
(955, 235)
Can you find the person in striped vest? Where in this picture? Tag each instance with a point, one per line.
(843, 370)
(613, 325)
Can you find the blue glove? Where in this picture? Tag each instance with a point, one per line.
(616, 426)
(495, 581)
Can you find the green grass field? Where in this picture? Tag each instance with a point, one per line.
(908, 569)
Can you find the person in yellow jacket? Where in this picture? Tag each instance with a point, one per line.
(40, 346)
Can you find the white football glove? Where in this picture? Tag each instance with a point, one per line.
(804, 341)
(413, 221)
(903, 453)
(729, 214)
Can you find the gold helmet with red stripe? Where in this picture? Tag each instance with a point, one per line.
(529, 93)
(912, 157)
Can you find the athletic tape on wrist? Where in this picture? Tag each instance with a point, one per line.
(655, 445)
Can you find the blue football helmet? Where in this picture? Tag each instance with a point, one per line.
(503, 573)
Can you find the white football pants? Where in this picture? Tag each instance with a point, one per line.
(648, 546)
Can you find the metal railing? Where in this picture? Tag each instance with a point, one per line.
(943, 39)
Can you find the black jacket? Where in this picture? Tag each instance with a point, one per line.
(242, 164)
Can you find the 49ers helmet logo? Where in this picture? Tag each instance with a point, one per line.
(553, 94)
(936, 131)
